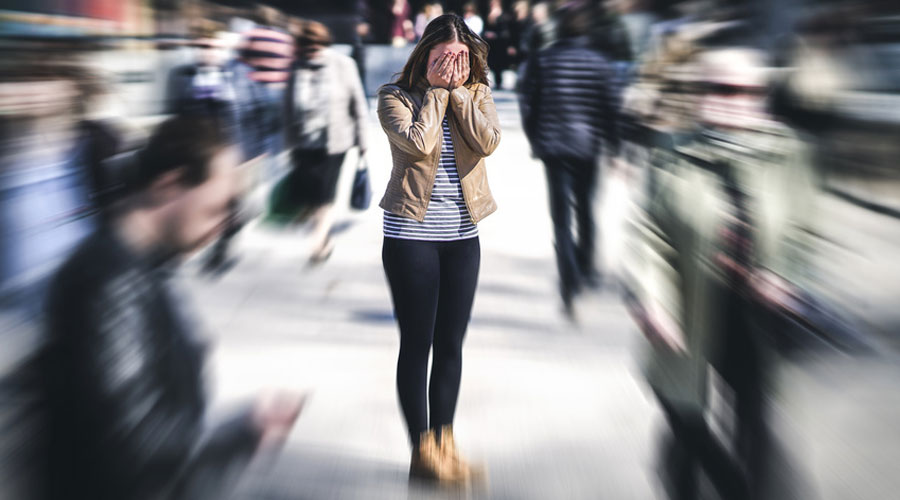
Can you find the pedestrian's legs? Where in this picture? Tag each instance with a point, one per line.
(701, 448)
(584, 187)
(460, 261)
(219, 254)
(413, 274)
(752, 438)
(323, 220)
(559, 183)
(359, 56)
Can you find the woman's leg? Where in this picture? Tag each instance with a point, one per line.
(323, 218)
(460, 261)
(413, 273)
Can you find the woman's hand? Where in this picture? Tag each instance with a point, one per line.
(441, 71)
(461, 69)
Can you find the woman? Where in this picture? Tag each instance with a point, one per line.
(430, 11)
(441, 122)
(401, 26)
(327, 111)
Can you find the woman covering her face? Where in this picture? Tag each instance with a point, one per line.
(441, 123)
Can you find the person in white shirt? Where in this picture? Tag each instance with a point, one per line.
(472, 19)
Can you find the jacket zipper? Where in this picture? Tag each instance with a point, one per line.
(456, 160)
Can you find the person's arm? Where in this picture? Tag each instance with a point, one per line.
(219, 458)
(611, 104)
(288, 112)
(359, 107)
(529, 92)
(480, 126)
(417, 137)
(656, 280)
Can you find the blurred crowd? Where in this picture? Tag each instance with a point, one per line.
(755, 141)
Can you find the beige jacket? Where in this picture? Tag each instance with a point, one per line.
(347, 104)
(412, 120)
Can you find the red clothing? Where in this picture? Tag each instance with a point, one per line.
(397, 29)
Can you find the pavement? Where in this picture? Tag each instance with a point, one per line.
(552, 409)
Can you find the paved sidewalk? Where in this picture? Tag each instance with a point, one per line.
(554, 411)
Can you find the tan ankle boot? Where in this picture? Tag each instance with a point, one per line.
(450, 453)
(428, 462)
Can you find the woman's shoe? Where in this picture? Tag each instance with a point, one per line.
(450, 454)
(429, 464)
(322, 254)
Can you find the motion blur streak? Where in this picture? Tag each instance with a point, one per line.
(689, 290)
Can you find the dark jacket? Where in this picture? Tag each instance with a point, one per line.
(239, 104)
(121, 388)
(569, 102)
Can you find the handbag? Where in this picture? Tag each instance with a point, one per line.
(289, 201)
(361, 196)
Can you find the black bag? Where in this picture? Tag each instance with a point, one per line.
(361, 196)
(292, 198)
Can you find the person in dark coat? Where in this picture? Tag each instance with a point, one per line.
(497, 32)
(568, 106)
(118, 380)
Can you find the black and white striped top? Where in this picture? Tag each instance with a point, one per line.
(447, 218)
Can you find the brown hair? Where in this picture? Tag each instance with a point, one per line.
(313, 33)
(443, 29)
(180, 142)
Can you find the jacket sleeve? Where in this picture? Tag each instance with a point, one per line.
(359, 105)
(150, 428)
(417, 136)
(611, 115)
(289, 129)
(480, 126)
(217, 462)
(529, 90)
(654, 276)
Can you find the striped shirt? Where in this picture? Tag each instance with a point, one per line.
(447, 218)
(270, 52)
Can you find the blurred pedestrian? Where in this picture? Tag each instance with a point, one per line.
(205, 86)
(541, 30)
(264, 61)
(473, 20)
(569, 108)
(363, 35)
(208, 88)
(402, 29)
(120, 377)
(497, 32)
(259, 76)
(441, 123)
(48, 183)
(521, 20)
(430, 11)
(326, 115)
(769, 188)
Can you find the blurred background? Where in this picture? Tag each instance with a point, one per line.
(745, 205)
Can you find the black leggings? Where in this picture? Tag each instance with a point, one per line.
(433, 287)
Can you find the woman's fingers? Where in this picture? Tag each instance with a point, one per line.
(436, 65)
(448, 60)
